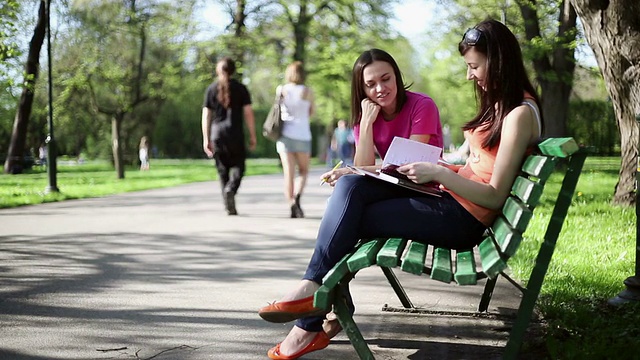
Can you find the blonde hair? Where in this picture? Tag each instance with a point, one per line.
(295, 73)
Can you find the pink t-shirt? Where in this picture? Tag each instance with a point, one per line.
(419, 116)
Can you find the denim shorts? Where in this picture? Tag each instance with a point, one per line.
(289, 145)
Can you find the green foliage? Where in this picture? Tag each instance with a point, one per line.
(97, 48)
(593, 123)
(8, 18)
(445, 77)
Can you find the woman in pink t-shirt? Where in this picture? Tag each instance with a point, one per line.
(382, 108)
(362, 207)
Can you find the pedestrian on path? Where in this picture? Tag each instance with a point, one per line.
(506, 127)
(143, 153)
(294, 146)
(227, 103)
(343, 142)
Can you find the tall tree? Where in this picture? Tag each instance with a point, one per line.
(126, 66)
(612, 28)
(238, 42)
(548, 29)
(553, 58)
(18, 137)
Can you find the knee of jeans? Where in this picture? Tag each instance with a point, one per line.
(345, 187)
(348, 181)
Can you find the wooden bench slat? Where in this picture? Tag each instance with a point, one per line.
(465, 268)
(492, 262)
(441, 268)
(323, 297)
(539, 166)
(508, 239)
(517, 213)
(365, 256)
(336, 274)
(413, 261)
(391, 252)
(560, 147)
(527, 190)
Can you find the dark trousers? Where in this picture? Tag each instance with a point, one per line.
(230, 171)
(364, 208)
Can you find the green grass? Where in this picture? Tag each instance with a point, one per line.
(595, 251)
(96, 178)
(594, 254)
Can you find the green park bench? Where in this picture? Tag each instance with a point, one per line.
(500, 244)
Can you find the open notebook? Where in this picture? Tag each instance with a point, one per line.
(405, 151)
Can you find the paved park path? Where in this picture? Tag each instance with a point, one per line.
(166, 274)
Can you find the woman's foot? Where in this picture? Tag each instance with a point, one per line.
(331, 325)
(299, 212)
(298, 343)
(296, 304)
(296, 211)
(304, 289)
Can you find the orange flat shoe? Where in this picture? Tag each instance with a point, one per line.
(319, 342)
(285, 311)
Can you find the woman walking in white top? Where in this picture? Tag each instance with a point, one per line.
(294, 146)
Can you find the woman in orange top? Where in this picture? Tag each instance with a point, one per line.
(505, 129)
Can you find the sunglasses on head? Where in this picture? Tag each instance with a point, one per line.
(471, 37)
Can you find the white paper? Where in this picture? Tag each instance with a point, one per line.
(405, 151)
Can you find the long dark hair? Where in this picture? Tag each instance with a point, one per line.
(506, 79)
(357, 81)
(228, 67)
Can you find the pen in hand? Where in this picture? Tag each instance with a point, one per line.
(334, 168)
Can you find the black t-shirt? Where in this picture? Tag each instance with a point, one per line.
(227, 125)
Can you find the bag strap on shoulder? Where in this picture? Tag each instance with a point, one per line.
(279, 93)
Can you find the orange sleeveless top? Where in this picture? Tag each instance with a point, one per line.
(479, 167)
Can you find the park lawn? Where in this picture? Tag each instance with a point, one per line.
(594, 254)
(98, 178)
(595, 251)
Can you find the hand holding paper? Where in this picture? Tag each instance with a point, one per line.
(405, 151)
(413, 158)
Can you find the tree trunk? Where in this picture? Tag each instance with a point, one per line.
(238, 47)
(612, 29)
(116, 147)
(301, 32)
(554, 71)
(20, 124)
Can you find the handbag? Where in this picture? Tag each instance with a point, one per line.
(272, 127)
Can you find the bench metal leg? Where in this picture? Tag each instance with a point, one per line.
(486, 296)
(343, 313)
(395, 284)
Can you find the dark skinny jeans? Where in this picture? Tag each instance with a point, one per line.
(365, 208)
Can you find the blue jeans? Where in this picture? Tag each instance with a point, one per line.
(362, 208)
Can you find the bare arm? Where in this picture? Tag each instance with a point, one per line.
(365, 149)
(311, 98)
(250, 122)
(421, 138)
(206, 131)
(518, 132)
